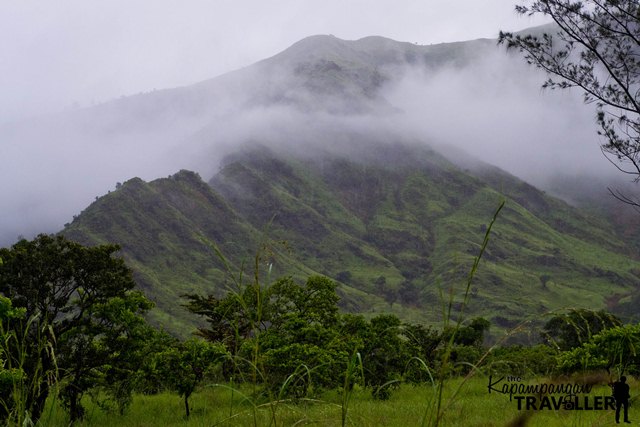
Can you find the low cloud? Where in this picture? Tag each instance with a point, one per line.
(51, 168)
(496, 111)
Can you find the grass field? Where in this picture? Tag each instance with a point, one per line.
(472, 405)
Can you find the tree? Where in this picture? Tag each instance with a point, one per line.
(468, 335)
(302, 347)
(596, 49)
(229, 319)
(384, 355)
(65, 288)
(275, 330)
(185, 366)
(389, 292)
(106, 350)
(570, 330)
(523, 360)
(315, 302)
(423, 343)
(544, 279)
(615, 348)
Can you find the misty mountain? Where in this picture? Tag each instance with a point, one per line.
(326, 158)
(397, 225)
(54, 166)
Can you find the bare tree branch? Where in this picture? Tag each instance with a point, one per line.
(599, 52)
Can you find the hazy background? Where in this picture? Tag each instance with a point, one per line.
(67, 55)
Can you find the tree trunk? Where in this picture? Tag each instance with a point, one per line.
(186, 404)
(76, 411)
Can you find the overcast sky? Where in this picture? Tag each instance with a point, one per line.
(56, 54)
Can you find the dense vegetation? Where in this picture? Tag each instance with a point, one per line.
(72, 327)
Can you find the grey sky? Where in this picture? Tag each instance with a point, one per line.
(55, 54)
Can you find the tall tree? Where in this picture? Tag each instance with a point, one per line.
(104, 351)
(596, 48)
(67, 290)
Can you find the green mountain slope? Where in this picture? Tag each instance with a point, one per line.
(166, 229)
(418, 221)
(398, 226)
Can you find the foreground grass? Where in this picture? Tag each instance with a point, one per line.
(218, 406)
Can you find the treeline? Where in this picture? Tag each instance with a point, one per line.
(72, 324)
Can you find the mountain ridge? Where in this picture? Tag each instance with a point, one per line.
(393, 234)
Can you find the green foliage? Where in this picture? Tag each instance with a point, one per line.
(7, 310)
(149, 378)
(383, 355)
(523, 361)
(84, 322)
(13, 382)
(470, 335)
(314, 303)
(463, 345)
(229, 319)
(423, 343)
(302, 340)
(104, 352)
(292, 327)
(296, 343)
(569, 330)
(183, 367)
(615, 348)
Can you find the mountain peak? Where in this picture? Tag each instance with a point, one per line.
(366, 49)
(315, 47)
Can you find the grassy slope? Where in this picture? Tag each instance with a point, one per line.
(165, 229)
(168, 230)
(399, 228)
(420, 223)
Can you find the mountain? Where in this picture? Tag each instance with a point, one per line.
(320, 79)
(311, 165)
(164, 229)
(397, 225)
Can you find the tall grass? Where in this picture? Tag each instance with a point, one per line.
(255, 313)
(473, 407)
(15, 348)
(433, 415)
(354, 371)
